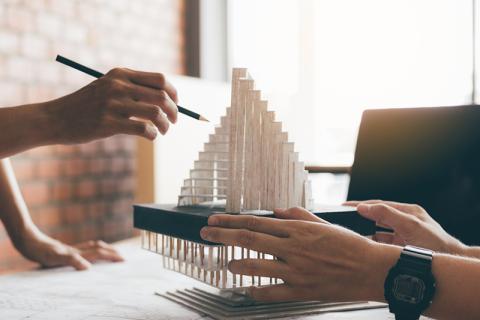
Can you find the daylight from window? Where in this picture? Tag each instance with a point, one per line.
(321, 63)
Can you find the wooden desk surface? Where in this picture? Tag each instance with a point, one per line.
(111, 291)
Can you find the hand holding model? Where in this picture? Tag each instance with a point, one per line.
(412, 225)
(320, 261)
(316, 260)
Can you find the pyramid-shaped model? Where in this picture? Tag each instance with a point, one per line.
(248, 163)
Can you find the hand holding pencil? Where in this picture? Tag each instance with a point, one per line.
(97, 74)
(123, 101)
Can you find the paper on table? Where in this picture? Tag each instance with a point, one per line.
(107, 291)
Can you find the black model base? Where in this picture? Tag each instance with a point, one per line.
(186, 222)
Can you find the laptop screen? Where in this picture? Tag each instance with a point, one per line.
(428, 156)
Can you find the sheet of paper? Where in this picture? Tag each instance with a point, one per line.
(111, 291)
(107, 291)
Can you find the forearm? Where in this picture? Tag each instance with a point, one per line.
(457, 289)
(25, 127)
(13, 210)
(31, 242)
(457, 284)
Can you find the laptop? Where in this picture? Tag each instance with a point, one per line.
(427, 156)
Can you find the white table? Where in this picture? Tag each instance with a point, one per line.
(111, 291)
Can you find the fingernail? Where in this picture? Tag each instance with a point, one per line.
(204, 233)
(174, 106)
(280, 210)
(152, 132)
(85, 266)
(213, 221)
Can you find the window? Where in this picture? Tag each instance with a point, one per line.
(321, 63)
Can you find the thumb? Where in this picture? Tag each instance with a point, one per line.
(384, 215)
(77, 261)
(297, 213)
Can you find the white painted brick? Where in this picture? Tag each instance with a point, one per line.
(106, 56)
(138, 8)
(34, 46)
(19, 18)
(3, 71)
(119, 5)
(88, 13)
(20, 68)
(8, 42)
(62, 8)
(47, 73)
(74, 32)
(107, 18)
(37, 5)
(11, 93)
(49, 25)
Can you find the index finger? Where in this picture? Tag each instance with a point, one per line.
(248, 239)
(389, 216)
(297, 213)
(270, 226)
(95, 254)
(406, 207)
(153, 80)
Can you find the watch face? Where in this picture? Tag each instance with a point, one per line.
(408, 288)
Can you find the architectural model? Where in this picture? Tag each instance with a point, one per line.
(248, 162)
(247, 166)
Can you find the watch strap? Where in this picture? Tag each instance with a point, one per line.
(406, 316)
(414, 261)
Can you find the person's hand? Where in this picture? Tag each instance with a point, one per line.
(316, 260)
(411, 224)
(298, 213)
(123, 101)
(49, 252)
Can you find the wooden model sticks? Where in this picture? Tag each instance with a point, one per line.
(248, 161)
(206, 263)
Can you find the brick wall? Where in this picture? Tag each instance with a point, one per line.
(82, 192)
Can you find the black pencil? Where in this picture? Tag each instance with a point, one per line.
(98, 74)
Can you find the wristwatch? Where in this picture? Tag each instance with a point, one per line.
(410, 285)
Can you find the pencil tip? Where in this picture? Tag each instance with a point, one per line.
(202, 118)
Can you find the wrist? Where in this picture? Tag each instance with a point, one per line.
(23, 234)
(458, 248)
(46, 117)
(384, 257)
(39, 123)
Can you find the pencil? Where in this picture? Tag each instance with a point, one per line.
(97, 74)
